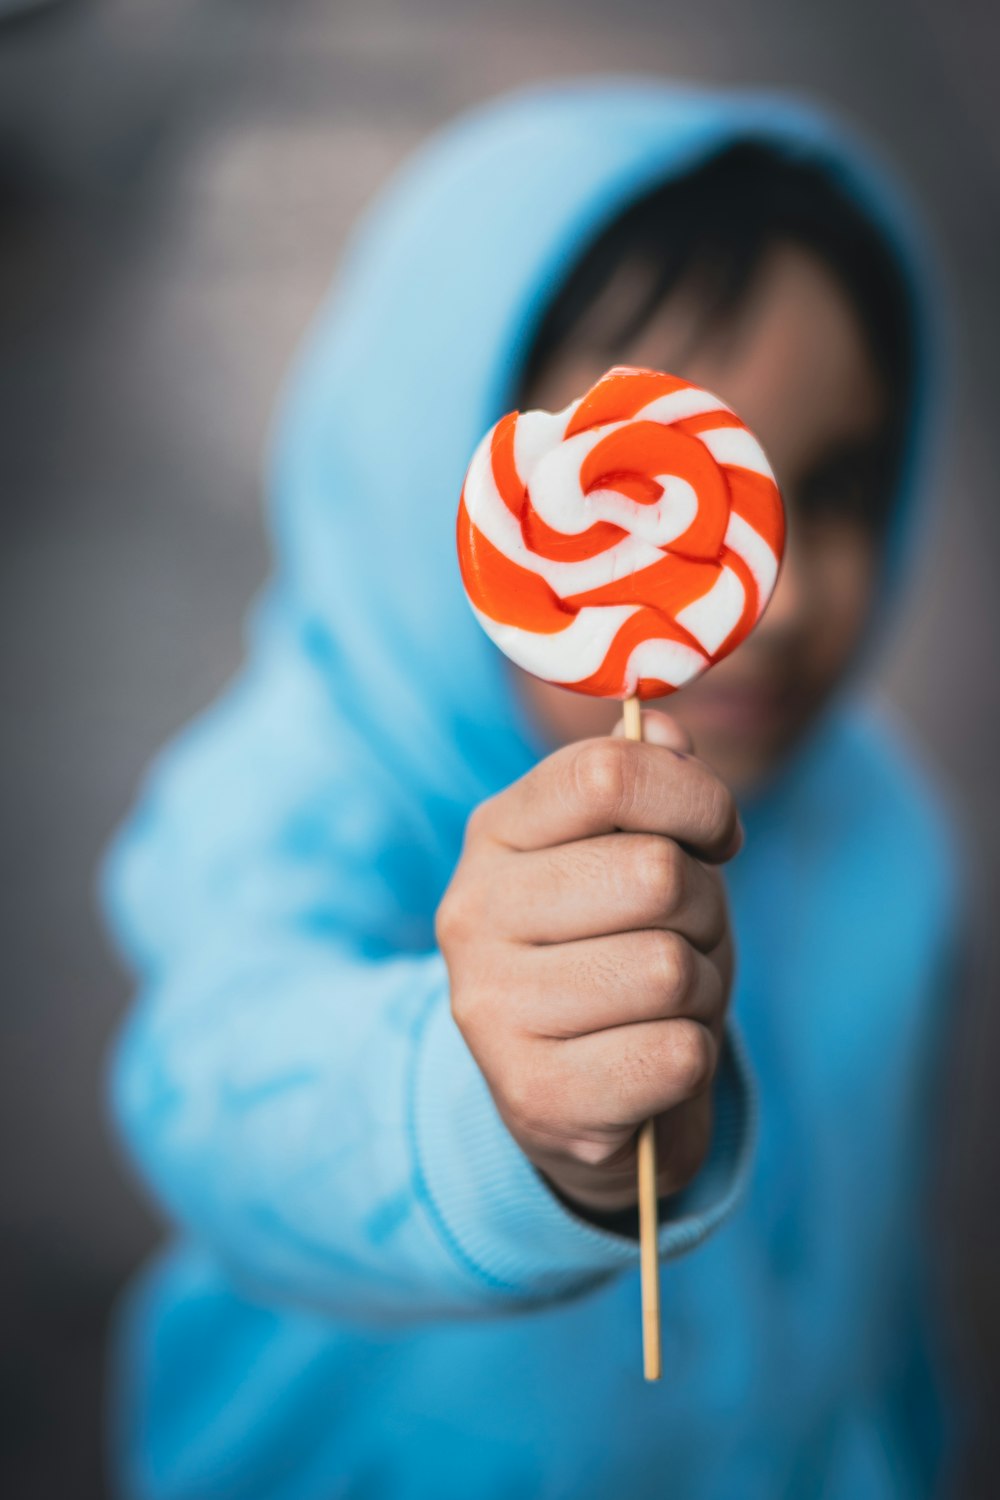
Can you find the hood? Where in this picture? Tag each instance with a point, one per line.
(416, 353)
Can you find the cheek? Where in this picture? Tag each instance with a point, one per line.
(841, 582)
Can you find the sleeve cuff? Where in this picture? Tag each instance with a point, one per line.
(497, 1216)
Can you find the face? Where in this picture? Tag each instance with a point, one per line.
(794, 364)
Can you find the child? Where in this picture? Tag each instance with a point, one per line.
(386, 1079)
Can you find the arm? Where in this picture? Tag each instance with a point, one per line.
(291, 1081)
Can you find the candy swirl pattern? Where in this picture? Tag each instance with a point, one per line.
(624, 545)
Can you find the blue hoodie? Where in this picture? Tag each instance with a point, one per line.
(371, 1292)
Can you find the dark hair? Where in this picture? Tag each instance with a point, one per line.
(716, 223)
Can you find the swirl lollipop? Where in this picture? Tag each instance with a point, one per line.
(624, 545)
(620, 548)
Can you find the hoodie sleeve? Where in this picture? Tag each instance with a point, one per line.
(290, 1081)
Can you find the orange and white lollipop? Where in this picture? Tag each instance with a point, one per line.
(620, 548)
(624, 545)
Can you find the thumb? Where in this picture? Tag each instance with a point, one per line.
(660, 729)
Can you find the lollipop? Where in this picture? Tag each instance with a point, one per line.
(620, 548)
(624, 545)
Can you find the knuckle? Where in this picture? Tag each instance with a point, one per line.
(442, 922)
(692, 1057)
(600, 774)
(673, 964)
(662, 869)
(455, 918)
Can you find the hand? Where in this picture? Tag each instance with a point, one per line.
(588, 945)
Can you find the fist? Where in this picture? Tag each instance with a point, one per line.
(588, 945)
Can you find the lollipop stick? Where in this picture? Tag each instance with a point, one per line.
(649, 1261)
(652, 1364)
(632, 714)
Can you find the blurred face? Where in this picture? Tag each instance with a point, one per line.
(793, 362)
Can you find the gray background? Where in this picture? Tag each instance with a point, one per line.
(175, 184)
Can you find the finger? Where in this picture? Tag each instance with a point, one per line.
(617, 1078)
(616, 981)
(600, 785)
(683, 1138)
(614, 882)
(660, 729)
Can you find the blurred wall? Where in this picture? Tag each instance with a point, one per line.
(175, 184)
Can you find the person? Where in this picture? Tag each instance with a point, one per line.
(421, 940)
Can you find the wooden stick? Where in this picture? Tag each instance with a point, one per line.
(649, 1260)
